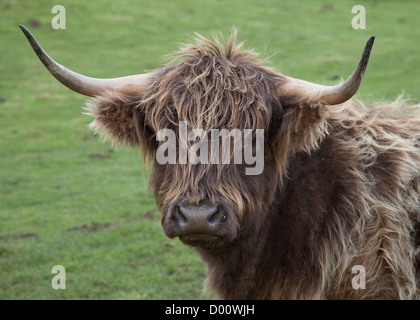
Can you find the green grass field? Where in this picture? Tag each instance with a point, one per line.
(68, 199)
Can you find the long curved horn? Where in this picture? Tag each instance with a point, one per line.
(82, 84)
(330, 94)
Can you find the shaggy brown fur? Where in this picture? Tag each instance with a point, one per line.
(340, 185)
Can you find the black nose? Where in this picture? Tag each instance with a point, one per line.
(198, 219)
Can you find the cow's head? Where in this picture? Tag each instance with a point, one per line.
(211, 85)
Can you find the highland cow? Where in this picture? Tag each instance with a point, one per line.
(340, 186)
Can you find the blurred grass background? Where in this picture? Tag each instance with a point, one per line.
(68, 199)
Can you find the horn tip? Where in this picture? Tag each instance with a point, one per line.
(23, 28)
(371, 40)
(25, 31)
(368, 48)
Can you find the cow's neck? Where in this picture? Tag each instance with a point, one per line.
(279, 250)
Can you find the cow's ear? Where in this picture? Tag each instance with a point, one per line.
(300, 125)
(305, 123)
(119, 119)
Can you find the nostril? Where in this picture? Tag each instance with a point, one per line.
(179, 217)
(214, 218)
(217, 217)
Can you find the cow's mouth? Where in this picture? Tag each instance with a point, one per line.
(202, 241)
